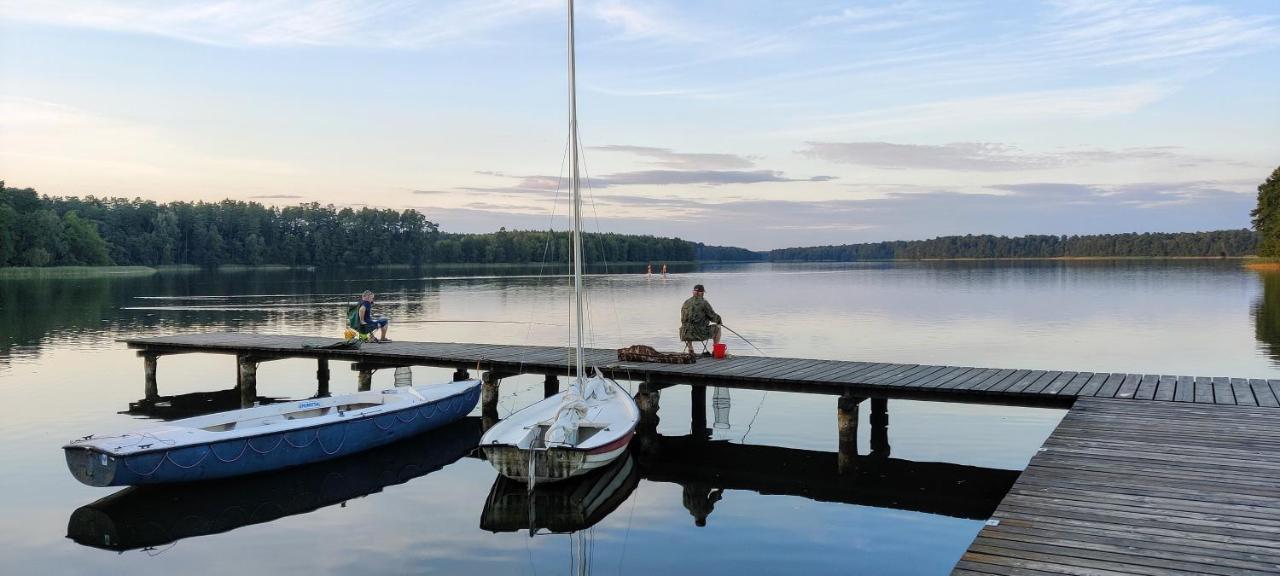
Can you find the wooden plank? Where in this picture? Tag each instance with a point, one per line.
(1076, 384)
(973, 376)
(1186, 390)
(897, 376)
(1111, 386)
(923, 375)
(1204, 390)
(1263, 394)
(1130, 386)
(992, 379)
(1005, 382)
(1020, 380)
(1242, 392)
(1222, 392)
(1147, 388)
(1043, 380)
(1092, 386)
(1061, 382)
(949, 376)
(890, 375)
(1167, 386)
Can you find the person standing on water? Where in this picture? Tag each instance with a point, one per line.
(698, 321)
(367, 322)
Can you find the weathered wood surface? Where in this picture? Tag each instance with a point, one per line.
(889, 380)
(1144, 487)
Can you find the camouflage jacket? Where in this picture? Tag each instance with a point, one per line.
(695, 314)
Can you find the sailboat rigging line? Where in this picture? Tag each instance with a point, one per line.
(575, 189)
(546, 246)
(604, 258)
(735, 333)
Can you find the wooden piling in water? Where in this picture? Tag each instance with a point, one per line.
(550, 385)
(322, 377)
(880, 427)
(698, 411)
(248, 380)
(364, 380)
(152, 389)
(847, 431)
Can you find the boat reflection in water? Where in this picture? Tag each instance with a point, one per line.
(143, 517)
(563, 507)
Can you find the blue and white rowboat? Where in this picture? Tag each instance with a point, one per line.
(264, 438)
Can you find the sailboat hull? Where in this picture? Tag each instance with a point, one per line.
(553, 464)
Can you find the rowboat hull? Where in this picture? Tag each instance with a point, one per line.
(97, 463)
(151, 516)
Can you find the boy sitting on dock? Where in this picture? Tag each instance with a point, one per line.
(367, 322)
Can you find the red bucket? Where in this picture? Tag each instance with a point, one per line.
(718, 350)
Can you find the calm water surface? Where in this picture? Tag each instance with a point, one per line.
(762, 497)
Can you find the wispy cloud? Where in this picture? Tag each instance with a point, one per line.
(990, 110)
(704, 177)
(387, 24)
(276, 197)
(1030, 208)
(982, 156)
(668, 158)
(1117, 32)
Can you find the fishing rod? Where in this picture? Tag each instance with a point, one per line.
(473, 322)
(744, 339)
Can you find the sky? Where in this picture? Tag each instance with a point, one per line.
(750, 123)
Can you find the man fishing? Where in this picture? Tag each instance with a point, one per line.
(698, 321)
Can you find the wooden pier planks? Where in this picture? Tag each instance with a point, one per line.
(951, 383)
(1143, 487)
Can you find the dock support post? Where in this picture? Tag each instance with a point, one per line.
(847, 428)
(248, 380)
(698, 408)
(647, 399)
(149, 368)
(322, 378)
(364, 380)
(880, 427)
(461, 374)
(489, 382)
(550, 386)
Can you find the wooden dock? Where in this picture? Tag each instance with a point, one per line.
(1147, 474)
(835, 377)
(1142, 488)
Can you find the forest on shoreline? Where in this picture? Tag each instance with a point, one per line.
(39, 231)
(46, 231)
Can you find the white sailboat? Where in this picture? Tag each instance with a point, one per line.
(591, 423)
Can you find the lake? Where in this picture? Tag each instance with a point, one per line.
(761, 496)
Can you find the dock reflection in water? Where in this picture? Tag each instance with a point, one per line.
(151, 516)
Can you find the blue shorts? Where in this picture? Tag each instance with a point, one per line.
(375, 324)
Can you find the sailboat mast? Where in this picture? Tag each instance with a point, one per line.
(575, 191)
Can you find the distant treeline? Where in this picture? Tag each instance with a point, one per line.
(529, 246)
(52, 231)
(1219, 243)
